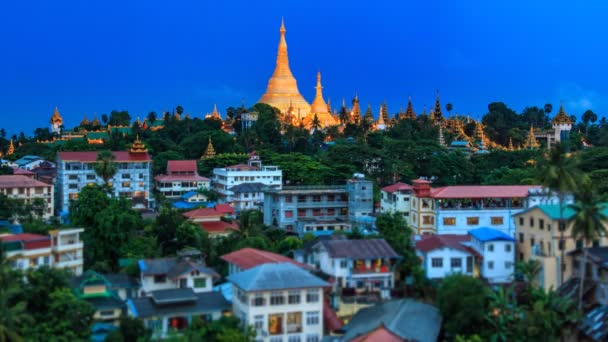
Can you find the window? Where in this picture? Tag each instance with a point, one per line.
(73, 186)
(437, 262)
(258, 300)
(497, 220)
(596, 243)
(490, 265)
(541, 224)
(508, 248)
(531, 221)
(472, 220)
(294, 338)
(288, 214)
(294, 322)
(258, 322)
(560, 245)
(106, 313)
(312, 338)
(277, 298)
(312, 318)
(126, 184)
(456, 262)
(521, 221)
(562, 226)
(491, 247)
(276, 339)
(312, 296)
(508, 264)
(90, 177)
(428, 219)
(126, 176)
(200, 282)
(294, 297)
(275, 324)
(521, 237)
(301, 212)
(160, 279)
(449, 221)
(343, 263)
(579, 244)
(531, 242)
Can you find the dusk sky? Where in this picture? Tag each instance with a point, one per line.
(90, 57)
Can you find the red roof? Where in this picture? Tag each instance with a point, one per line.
(397, 187)
(91, 157)
(247, 258)
(185, 178)
(30, 241)
(483, 191)
(428, 243)
(218, 210)
(20, 181)
(23, 172)
(380, 334)
(181, 166)
(330, 318)
(218, 226)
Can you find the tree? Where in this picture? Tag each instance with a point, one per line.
(558, 174)
(589, 116)
(151, 117)
(588, 224)
(179, 110)
(449, 107)
(68, 318)
(105, 167)
(548, 108)
(104, 119)
(130, 329)
(463, 300)
(13, 310)
(188, 234)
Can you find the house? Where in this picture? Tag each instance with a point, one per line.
(173, 291)
(483, 252)
(281, 301)
(182, 177)
(29, 191)
(75, 170)
(46, 172)
(393, 321)
(246, 258)
(395, 198)
(29, 162)
(216, 221)
(61, 249)
(367, 265)
(253, 172)
(247, 196)
(23, 172)
(191, 200)
(539, 238)
(346, 204)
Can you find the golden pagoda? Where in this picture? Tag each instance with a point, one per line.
(11, 148)
(561, 118)
(318, 108)
(355, 112)
(282, 87)
(381, 123)
(177, 116)
(56, 122)
(510, 147)
(531, 142)
(290, 118)
(384, 113)
(437, 114)
(95, 122)
(409, 111)
(214, 115)
(84, 122)
(209, 151)
(138, 146)
(369, 116)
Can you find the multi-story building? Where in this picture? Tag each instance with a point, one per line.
(247, 196)
(246, 258)
(182, 177)
(216, 221)
(367, 265)
(29, 191)
(62, 249)
(75, 170)
(281, 301)
(483, 252)
(287, 207)
(540, 238)
(460, 208)
(226, 178)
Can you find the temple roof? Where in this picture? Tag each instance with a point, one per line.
(56, 118)
(319, 105)
(562, 117)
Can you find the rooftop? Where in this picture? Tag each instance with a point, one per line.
(488, 234)
(483, 191)
(172, 267)
(91, 157)
(358, 249)
(276, 276)
(429, 243)
(247, 187)
(397, 187)
(218, 226)
(20, 181)
(181, 166)
(198, 303)
(247, 258)
(217, 210)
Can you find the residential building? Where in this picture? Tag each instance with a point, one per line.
(29, 162)
(246, 258)
(29, 191)
(8, 163)
(460, 208)
(229, 177)
(483, 252)
(281, 301)
(247, 196)
(61, 249)
(182, 177)
(216, 221)
(45, 172)
(75, 170)
(393, 321)
(366, 265)
(191, 200)
(540, 238)
(349, 203)
(175, 273)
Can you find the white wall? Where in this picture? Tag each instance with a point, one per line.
(446, 254)
(503, 260)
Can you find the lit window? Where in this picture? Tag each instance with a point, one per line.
(449, 221)
(471, 221)
(498, 220)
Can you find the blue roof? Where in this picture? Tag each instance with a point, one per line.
(275, 276)
(488, 234)
(460, 143)
(226, 290)
(189, 194)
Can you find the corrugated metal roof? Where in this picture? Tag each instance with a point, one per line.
(205, 302)
(246, 258)
(359, 249)
(276, 276)
(488, 234)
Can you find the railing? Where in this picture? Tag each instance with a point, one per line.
(366, 270)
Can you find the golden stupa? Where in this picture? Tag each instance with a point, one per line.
(282, 87)
(319, 108)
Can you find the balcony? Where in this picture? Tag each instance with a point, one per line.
(370, 270)
(63, 247)
(69, 263)
(322, 204)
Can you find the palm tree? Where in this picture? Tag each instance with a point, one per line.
(105, 167)
(13, 313)
(151, 117)
(449, 107)
(548, 108)
(558, 174)
(529, 270)
(588, 224)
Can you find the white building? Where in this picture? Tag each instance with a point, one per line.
(75, 170)
(29, 191)
(29, 162)
(483, 252)
(253, 172)
(175, 273)
(396, 199)
(182, 177)
(281, 301)
(67, 248)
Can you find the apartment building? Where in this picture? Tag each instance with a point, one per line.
(29, 191)
(181, 177)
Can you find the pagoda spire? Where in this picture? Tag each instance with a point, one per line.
(531, 142)
(438, 115)
(510, 147)
(355, 112)
(11, 148)
(209, 151)
(369, 116)
(318, 105)
(409, 111)
(138, 146)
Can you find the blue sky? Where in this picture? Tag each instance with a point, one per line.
(91, 57)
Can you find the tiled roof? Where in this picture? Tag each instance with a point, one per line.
(247, 258)
(20, 181)
(380, 334)
(172, 267)
(397, 187)
(428, 243)
(488, 234)
(205, 302)
(185, 178)
(407, 318)
(218, 226)
(91, 157)
(359, 249)
(276, 276)
(483, 191)
(247, 187)
(22, 172)
(23, 237)
(217, 210)
(181, 166)
(187, 266)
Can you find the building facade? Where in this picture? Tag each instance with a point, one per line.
(75, 170)
(182, 177)
(30, 191)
